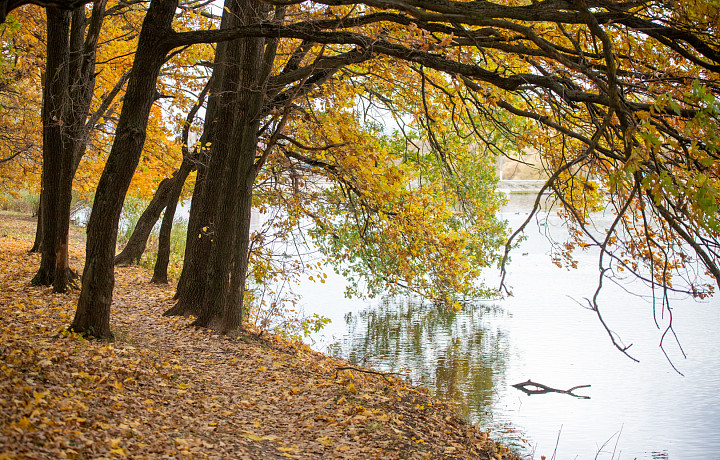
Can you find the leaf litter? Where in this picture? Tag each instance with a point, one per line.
(164, 390)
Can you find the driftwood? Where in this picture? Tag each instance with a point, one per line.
(539, 388)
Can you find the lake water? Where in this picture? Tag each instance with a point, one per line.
(642, 410)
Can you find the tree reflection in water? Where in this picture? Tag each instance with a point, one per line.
(455, 354)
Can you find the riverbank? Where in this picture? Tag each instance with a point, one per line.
(165, 390)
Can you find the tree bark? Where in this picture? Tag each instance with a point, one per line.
(135, 247)
(163, 253)
(93, 312)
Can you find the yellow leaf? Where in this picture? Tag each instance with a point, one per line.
(39, 396)
(325, 441)
(351, 388)
(23, 423)
(252, 436)
(119, 452)
(183, 386)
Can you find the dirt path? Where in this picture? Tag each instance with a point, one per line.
(163, 390)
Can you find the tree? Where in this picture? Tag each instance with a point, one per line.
(93, 312)
(614, 130)
(71, 57)
(203, 288)
(87, 109)
(612, 127)
(55, 107)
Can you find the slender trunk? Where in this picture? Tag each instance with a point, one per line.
(188, 164)
(37, 244)
(135, 246)
(163, 254)
(93, 312)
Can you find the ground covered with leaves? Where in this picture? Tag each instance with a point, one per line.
(164, 390)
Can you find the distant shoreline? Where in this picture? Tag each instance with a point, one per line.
(520, 186)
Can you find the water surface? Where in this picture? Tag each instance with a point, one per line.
(642, 410)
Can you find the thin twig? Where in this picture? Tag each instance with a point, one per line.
(367, 371)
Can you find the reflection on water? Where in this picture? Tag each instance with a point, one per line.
(637, 410)
(457, 354)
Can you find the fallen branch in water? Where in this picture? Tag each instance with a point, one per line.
(542, 389)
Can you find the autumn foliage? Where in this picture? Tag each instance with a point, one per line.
(275, 106)
(162, 389)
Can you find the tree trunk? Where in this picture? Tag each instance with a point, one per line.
(37, 244)
(188, 293)
(83, 52)
(191, 286)
(74, 115)
(241, 108)
(70, 81)
(163, 254)
(234, 309)
(54, 108)
(93, 312)
(135, 246)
